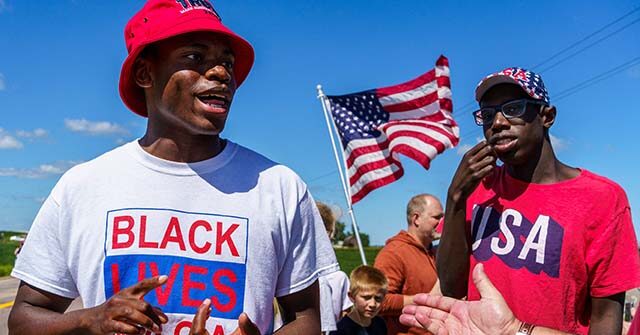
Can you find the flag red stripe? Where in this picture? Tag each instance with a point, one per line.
(432, 121)
(408, 86)
(370, 166)
(413, 153)
(442, 61)
(446, 104)
(438, 117)
(372, 185)
(366, 150)
(425, 78)
(444, 82)
(422, 137)
(412, 104)
(444, 132)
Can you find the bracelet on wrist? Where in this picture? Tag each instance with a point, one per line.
(525, 329)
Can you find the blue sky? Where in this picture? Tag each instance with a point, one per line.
(60, 63)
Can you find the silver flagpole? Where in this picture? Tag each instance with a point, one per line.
(343, 177)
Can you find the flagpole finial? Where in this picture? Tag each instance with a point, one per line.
(320, 92)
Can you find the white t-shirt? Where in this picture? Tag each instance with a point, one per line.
(236, 228)
(334, 299)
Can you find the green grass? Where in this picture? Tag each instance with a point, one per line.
(7, 258)
(349, 258)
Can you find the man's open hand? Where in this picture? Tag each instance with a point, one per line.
(447, 316)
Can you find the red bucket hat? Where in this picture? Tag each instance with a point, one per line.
(162, 19)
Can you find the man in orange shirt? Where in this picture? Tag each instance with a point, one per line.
(408, 262)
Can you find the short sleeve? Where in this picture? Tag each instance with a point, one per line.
(612, 259)
(309, 254)
(42, 261)
(344, 293)
(327, 320)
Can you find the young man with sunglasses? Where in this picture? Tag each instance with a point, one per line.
(557, 241)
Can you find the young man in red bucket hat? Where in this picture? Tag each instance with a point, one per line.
(180, 231)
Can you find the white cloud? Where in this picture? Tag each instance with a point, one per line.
(36, 133)
(558, 144)
(23, 197)
(94, 127)
(9, 142)
(3, 86)
(42, 171)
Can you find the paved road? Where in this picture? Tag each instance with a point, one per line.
(8, 289)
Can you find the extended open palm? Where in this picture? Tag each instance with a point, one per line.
(448, 316)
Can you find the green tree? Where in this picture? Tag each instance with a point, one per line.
(350, 240)
(364, 238)
(339, 234)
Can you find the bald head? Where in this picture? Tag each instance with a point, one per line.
(419, 204)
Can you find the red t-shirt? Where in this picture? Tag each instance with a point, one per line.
(548, 248)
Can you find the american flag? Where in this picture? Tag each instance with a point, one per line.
(413, 118)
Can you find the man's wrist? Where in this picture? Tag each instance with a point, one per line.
(456, 202)
(82, 321)
(525, 328)
(455, 197)
(513, 327)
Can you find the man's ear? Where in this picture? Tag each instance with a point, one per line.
(142, 72)
(548, 115)
(414, 219)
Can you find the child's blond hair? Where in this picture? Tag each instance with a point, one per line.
(366, 277)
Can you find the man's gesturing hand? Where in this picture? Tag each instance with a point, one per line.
(447, 316)
(126, 312)
(245, 326)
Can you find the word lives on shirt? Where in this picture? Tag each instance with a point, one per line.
(204, 256)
